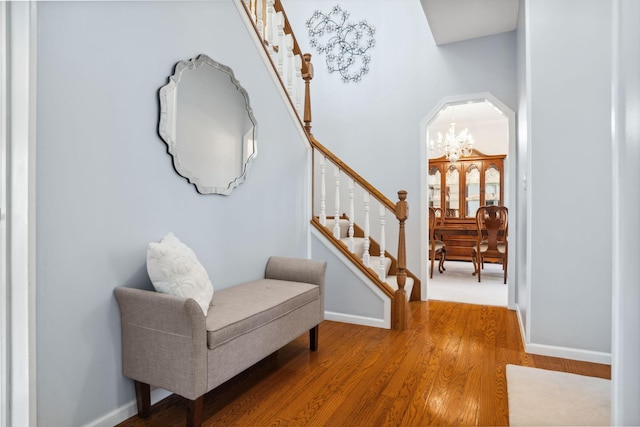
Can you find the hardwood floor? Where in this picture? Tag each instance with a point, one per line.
(448, 368)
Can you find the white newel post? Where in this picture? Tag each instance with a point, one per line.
(336, 218)
(365, 256)
(323, 193)
(280, 25)
(381, 268)
(351, 215)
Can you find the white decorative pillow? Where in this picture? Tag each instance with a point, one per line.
(174, 269)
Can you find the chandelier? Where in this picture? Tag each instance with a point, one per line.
(452, 145)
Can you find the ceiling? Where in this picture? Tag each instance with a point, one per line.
(456, 20)
(488, 125)
(467, 113)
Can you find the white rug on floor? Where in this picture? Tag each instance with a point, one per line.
(459, 285)
(539, 397)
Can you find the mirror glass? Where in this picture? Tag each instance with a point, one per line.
(208, 125)
(452, 202)
(472, 181)
(434, 187)
(492, 186)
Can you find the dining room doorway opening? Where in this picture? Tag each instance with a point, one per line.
(468, 160)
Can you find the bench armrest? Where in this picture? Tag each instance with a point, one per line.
(298, 270)
(164, 341)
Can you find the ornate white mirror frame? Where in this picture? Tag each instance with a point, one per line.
(208, 125)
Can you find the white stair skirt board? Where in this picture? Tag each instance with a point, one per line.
(457, 284)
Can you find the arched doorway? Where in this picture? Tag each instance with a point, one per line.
(484, 115)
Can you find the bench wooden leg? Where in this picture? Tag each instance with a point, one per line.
(313, 338)
(194, 412)
(143, 398)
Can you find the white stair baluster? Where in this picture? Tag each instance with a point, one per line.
(382, 268)
(323, 192)
(351, 215)
(268, 35)
(252, 9)
(336, 218)
(365, 255)
(289, 43)
(280, 25)
(298, 84)
(259, 21)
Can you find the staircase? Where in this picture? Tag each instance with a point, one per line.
(362, 245)
(381, 266)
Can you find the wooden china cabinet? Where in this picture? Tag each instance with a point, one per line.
(460, 188)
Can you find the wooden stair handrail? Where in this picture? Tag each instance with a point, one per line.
(277, 6)
(306, 67)
(353, 174)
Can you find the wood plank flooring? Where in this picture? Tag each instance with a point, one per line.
(447, 369)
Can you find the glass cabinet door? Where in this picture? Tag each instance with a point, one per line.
(492, 186)
(435, 183)
(452, 192)
(472, 191)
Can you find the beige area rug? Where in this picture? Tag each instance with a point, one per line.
(539, 397)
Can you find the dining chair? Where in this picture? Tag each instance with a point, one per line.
(492, 224)
(436, 246)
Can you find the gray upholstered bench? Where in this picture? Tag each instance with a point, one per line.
(168, 342)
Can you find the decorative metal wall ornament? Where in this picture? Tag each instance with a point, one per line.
(347, 45)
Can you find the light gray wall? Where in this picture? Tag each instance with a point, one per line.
(626, 205)
(106, 186)
(374, 125)
(345, 294)
(569, 183)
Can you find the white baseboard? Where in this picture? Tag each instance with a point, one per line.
(569, 353)
(127, 411)
(561, 352)
(356, 320)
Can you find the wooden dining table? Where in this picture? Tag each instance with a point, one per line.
(460, 239)
(460, 230)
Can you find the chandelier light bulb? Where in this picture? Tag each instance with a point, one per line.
(454, 146)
